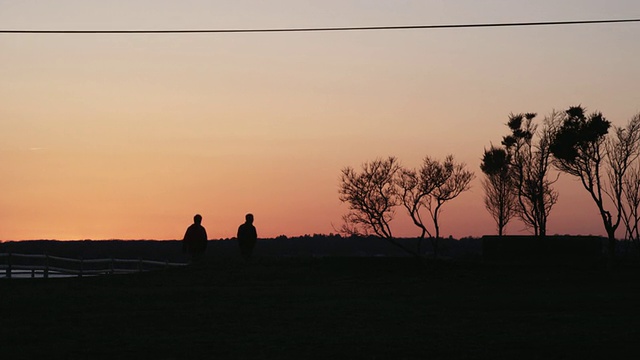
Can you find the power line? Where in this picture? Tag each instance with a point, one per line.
(324, 29)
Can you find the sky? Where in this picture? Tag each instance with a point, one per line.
(114, 136)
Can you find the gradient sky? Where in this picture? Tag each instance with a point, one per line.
(128, 136)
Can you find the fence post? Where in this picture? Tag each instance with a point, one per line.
(9, 265)
(139, 264)
(81, 265)
(112, 267)
(46, 266)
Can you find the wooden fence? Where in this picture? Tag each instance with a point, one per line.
(34, 264)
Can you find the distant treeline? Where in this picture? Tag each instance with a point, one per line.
(305, 246)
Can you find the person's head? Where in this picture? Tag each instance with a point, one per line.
(197, 219)
(249, 218)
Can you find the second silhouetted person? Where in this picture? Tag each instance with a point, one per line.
(247, 237)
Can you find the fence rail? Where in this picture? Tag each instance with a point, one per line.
(55, 265)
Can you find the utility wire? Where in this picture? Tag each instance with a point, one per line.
(325, 29)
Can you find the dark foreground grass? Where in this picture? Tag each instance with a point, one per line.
(341, 308)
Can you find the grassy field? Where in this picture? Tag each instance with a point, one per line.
(342, 308)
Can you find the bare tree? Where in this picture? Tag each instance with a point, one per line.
(415, 187)
(372, 196)
(454, 180)
(582, 148)
(530, 164)
(500, 199)
(631, 205)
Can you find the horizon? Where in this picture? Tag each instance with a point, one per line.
(114, 136)
(314, 236)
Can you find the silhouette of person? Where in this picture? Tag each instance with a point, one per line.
(247, 237)
(194, 242)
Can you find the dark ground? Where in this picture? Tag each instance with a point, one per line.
(305, 246)
(341, 308)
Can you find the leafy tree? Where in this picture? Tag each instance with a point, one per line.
(582, 149)
(529, 163)
(500, 199)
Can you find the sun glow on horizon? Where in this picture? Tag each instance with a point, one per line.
(126, 137)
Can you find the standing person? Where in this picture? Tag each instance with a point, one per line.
(247, 237)
(194, 242)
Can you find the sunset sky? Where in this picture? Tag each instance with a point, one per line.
(116, 136)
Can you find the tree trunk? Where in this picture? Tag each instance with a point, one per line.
(392, 241)
(434, 244)
(611, 244)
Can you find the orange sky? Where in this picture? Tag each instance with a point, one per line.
(128, 136)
